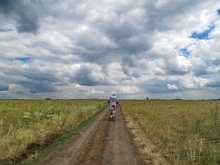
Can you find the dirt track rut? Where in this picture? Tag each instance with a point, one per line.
(100, 142)
(118, 149)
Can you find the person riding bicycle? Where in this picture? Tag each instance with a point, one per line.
(113, 101)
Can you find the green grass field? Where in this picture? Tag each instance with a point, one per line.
(183, 132)
(25, 123)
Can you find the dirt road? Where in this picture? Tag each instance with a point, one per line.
(100, 142)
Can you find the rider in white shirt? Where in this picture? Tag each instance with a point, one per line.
(113, 101)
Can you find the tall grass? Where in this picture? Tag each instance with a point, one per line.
(184, 132)
(24, 122)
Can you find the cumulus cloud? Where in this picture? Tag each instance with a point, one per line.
(25, 13)
(172, 86)
(85, 76)
(4, 87)
(127, 89)
(86, 48)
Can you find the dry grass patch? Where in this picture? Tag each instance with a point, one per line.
(29, 123)
(147, 150)
(183, 132)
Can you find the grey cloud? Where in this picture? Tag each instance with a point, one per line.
(39, 81)
(32, 79)
(4, 87)
(19, 92)
(91, 49)
(25, 13)
(40, 76)
(38, 86)
(118, 32)
(216, 61)
(130, 66)
(126, 34)
(173, 70)
(84, 77)
(137, 44)
(204, 66)
(5, 5)
(27, 23)
(200, 70)
(32, 73)
(215, 83)
(163, 15)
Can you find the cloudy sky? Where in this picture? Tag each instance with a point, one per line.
(87, 49)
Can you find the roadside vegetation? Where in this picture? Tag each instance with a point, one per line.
(176, 131)
(26, 124)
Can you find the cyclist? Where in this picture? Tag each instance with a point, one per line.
(113, 101)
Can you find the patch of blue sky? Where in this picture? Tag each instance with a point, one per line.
(203, 35)
(218, 11)
(24, 59)
(5, 30)
(185, 52)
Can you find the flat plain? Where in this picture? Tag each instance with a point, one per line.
(154, 132)
(175, 131)
(29, 125)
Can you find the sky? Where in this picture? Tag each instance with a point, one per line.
(64, 49)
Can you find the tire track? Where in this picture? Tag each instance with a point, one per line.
(74, 148)
(119, 149)
(101, 142)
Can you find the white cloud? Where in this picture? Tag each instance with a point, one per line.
(127, 89)
(193, 82)
(172, 86)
